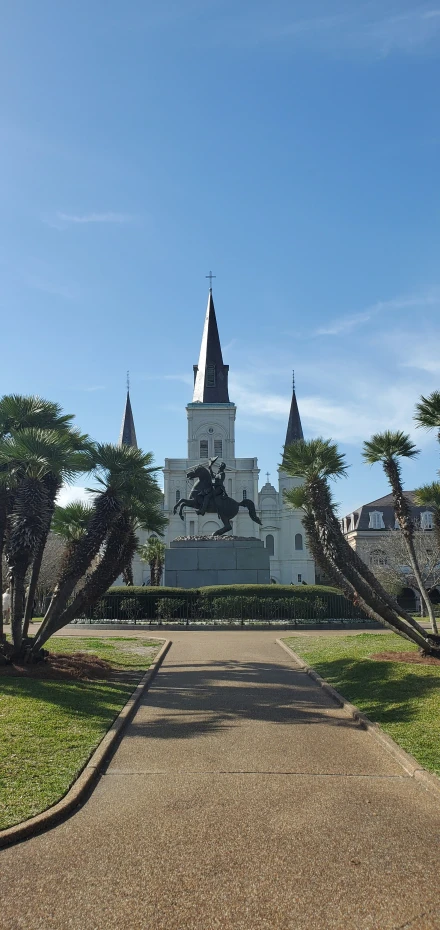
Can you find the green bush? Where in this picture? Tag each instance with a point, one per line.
(171, 608)
(227, 602)
(267, 590)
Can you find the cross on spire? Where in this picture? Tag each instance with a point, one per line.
(210, 276)
(128, 381)
(268, 476)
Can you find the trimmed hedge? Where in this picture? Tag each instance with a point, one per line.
(222, 602)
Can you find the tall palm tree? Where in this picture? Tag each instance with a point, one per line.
(18, 412)
(388, 447)
(28, 458)
(316, 461)
(428, 412)
(428, 495)
(126, 479)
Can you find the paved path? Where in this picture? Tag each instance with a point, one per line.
(241, 798)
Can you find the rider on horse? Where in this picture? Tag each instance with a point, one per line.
(217, 489)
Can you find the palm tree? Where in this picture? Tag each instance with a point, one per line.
(19, 412)
(388, 448)
(429, 496)
(153, 552)
(316, 461)
(428, 412)
(77, 455)
(29, 460)
(126, 485)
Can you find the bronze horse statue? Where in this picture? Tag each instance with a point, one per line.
(205, 497)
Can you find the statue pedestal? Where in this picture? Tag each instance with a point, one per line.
(197, 561)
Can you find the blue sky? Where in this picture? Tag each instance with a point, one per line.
(292, 147)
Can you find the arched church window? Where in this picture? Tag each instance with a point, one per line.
(203, 448)
(210, 376)
(298, 541)
(218, 447)
(177, 495)
(270, 544)
(244, 494)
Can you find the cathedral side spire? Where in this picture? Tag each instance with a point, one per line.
(127, 435)
(211, 375)
(294, 427)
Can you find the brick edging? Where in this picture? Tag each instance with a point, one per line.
(430, 781)
(91, 771)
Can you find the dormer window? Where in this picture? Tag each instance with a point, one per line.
(376, 520)
(210, 376)
(426, 520)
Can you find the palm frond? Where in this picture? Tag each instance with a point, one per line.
(428, 495)
(296, 498)
(18, 412)
(428, 411)
(388, 445)
(314, 458)
(72, 521)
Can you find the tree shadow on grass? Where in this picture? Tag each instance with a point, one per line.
(385, 693)
(81, 698)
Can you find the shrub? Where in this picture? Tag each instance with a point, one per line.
(171, 608)
(227, 602)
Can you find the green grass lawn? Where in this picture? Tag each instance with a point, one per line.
(403, 698)
(49, 728)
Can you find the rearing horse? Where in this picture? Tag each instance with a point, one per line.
(225, 507)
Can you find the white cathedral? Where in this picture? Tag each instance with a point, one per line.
(211, 432)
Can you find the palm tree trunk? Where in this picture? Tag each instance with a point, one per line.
(340, 553)
(18, 582)
(53, 485)
(352, 590)
(406, 524)
(421, 585)
(121, 546)
(127, 573)
(107, 511)
(348, 556)
(3, 499)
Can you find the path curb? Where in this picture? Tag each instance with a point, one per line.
(430, 781)
(92, 769)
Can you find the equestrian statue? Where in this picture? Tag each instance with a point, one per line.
(208, 495)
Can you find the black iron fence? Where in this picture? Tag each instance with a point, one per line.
(210, 610)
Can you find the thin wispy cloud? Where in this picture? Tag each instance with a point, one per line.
(346, 324)
(63, 220)
(377, 26)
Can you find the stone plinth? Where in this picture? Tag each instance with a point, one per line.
(194, 562)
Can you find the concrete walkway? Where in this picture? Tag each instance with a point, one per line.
(242, 798)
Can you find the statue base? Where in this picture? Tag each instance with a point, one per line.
(198, 561)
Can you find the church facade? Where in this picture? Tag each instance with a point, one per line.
(211, 417)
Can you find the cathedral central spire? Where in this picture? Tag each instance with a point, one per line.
(211, 375)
